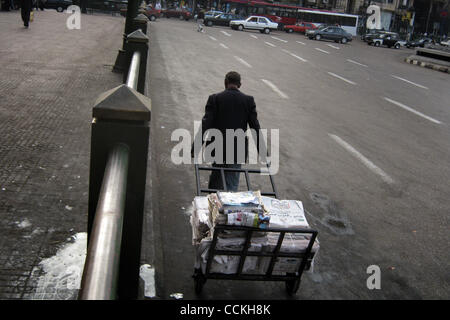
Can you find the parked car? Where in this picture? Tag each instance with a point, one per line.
(391, 39)
(150, 12)
(263, 24)
(59, 5)
(422, 42)
(212, 13)
(178, 13)
(334, 33)
(370, 33)
(221, 19)
(301, 27)
(445, 43)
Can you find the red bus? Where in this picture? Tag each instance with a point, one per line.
(290, 14)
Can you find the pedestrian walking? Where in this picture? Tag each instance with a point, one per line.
(200, 19)
(229, 109)
(25, 10)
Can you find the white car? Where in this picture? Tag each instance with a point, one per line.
(263, 24)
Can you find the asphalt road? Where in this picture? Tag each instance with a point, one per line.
(364, 143)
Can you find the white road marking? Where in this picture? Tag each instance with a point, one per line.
(413, 83)
(369, 164)
(295, 56)
(274, 88)
(212, 38)
(330, 45)
(270, 44)
(279, 39)
(401, 105)
(226, 33)
(253, 36)
(245, 63)
(224, 46)
(339, 77)
(318, 49)
(359, 64)
(301, 42)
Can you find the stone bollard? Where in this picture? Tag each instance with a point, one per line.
(122, 115)
(140, 22)
(137, 41)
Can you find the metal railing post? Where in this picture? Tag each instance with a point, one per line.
(121, 116)
(137, 41)
(132, 11)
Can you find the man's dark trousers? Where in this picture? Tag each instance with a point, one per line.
(25, 9)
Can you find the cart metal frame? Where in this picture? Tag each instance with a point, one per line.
(292, 280)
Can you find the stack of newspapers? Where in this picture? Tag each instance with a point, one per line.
(248, 209)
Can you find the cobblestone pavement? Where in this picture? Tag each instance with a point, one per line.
(50, 77)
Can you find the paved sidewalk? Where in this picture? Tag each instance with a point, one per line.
(50, 77)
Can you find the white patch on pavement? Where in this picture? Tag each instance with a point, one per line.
(24, 224)
(226, 33)
(224, 46)
(270, 44)
(62, 272)
(324, 51)
(177, 295)
(358, 63)
(147, 273)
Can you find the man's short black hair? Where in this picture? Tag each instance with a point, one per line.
(233, 77)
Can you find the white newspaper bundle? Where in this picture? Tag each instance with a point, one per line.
(200, 219)
(292, 243)
(229, 264)
(285, 213)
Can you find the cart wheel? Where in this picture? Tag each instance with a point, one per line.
(199, 281)
(292, 286)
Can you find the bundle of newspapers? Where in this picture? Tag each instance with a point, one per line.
(249, 209)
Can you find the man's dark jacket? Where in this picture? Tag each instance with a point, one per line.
(230, 109)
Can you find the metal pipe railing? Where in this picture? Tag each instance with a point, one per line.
(133, 72)
(101, 269)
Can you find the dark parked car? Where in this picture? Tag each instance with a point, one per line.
(59, 5)
(177, 13)
(370, 33)
(419, 43)
(221, 19)
(389, 39)
(336, 34)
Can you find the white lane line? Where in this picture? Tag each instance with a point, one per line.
(401, 105)
(295, 56)
(223, 46)
(245, 63)
(330, 45)
(226, 33)
(359, 64)
(318, 49)
(369, 164)
(212, 38)
(339, 77)
(301, 42)
(270, 44)
(279, 39)
(253, 36)
(413, 83)
(274, 88)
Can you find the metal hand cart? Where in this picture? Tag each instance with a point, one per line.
(292, 280)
